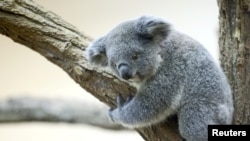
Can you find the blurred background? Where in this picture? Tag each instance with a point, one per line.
(26, 73)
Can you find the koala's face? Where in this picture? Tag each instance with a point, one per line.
(131, 49)
(131, 57)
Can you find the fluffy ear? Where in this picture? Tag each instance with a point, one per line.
(150, 27)
(96, 53)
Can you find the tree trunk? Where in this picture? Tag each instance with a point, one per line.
(234, 45)
(61, 43)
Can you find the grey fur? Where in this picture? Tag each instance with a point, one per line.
(173, 73)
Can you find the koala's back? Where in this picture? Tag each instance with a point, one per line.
(189, 77)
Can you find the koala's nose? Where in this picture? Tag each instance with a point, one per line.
(124, 71)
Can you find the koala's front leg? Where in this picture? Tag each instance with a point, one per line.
(135, 112)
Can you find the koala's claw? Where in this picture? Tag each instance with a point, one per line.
(119, 100)
(128, 99)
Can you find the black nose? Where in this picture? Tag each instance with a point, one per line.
(124, 71)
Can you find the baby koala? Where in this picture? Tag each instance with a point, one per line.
(173, 74)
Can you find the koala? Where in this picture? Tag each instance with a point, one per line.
(173, 74)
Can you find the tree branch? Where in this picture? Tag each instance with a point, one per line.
(55, 110)
(31, 25)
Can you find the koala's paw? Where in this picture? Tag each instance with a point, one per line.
(110, 115)
(115, 113)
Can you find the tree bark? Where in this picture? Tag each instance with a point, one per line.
(21, 109)
(234, 43)
(61, 43)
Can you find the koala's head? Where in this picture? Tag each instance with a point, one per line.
(131, 49)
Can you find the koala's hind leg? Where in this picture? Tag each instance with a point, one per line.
(194, 120)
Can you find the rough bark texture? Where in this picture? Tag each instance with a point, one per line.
(31, 25)
(234, 45)
(55, 110)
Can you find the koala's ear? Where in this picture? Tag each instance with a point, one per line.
(96, 53)
(153, 28)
